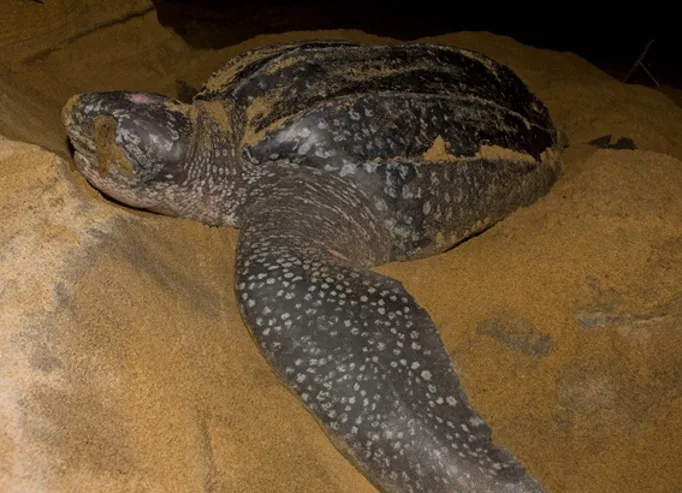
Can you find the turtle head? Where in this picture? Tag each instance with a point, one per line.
(132, 146)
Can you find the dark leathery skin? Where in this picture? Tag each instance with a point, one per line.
(429, 207)
(312, 72)
(248, 62)
(356, 348)
(371, 113)
(383, 126)
(303, 76)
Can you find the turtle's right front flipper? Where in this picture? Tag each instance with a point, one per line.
(364, 358)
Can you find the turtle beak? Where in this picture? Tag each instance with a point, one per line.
(92, 124)
(73, 119)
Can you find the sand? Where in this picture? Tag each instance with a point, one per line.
(124, 365)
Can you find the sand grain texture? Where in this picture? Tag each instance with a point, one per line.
(125, 367)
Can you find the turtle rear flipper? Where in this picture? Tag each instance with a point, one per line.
(356, 348)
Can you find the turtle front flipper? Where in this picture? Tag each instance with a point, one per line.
(355, 347)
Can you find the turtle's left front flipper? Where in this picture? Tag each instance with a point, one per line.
(363, 357)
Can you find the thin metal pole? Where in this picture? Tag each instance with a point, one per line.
(640, 63)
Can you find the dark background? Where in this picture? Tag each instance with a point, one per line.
(609, 37)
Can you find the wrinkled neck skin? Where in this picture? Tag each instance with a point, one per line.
(217, 187)
(214, 183)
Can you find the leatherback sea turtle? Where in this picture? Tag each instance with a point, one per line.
(333, 157)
